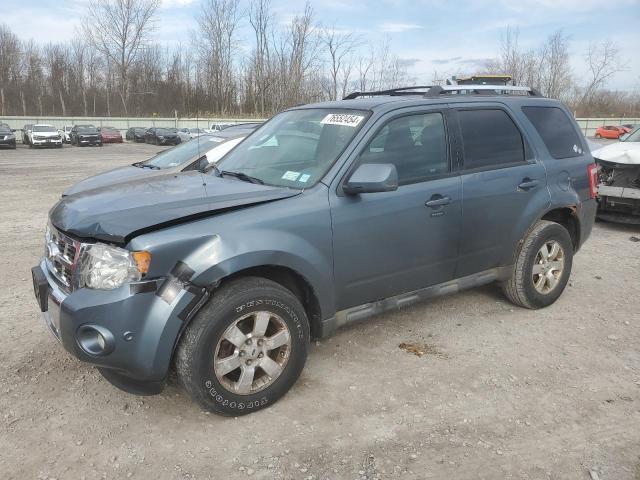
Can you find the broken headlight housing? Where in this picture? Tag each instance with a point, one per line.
(103, 267)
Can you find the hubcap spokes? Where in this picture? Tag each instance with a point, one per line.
(548, 267)
(252, 352)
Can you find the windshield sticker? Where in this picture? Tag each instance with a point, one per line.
(343, 119)
(289, 175)
(304, 178)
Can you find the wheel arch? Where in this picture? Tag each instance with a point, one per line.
(568, 218)
(293, 281)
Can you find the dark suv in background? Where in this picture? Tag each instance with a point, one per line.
(82, 135)
(325, 215)
(162, 136)
(135, 134)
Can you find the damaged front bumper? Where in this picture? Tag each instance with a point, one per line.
(619, 192)
(128, 333)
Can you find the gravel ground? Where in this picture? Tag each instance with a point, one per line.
(480, 390)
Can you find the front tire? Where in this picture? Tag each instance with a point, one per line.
(245, 349)
(542, 268)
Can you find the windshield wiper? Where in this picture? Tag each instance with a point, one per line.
(239, 175)
(145, 165)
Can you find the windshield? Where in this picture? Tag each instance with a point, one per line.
(184, 152)
(87, 129)
(634, 136)
(295, 148)
(44, 128)
(165, 131)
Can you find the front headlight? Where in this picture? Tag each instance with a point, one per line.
(105, 268)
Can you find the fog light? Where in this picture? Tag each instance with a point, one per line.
(95, 340)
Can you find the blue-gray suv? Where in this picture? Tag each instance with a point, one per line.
(325, 215)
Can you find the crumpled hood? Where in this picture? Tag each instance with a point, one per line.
(622, 152)
(116, 212)
(117, 175)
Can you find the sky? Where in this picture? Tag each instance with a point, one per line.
(427, 35)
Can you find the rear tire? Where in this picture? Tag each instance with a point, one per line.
(269, 330)
(542, 268)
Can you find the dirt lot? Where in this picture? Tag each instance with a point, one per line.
(500, 392)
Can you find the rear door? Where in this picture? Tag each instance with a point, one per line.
(393, 242)
(503, 185)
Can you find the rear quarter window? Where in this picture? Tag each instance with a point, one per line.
(556, 130)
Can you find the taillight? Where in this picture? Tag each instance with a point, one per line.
(592, 171)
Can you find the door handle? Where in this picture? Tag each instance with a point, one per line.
(437, 201)
(528, 184)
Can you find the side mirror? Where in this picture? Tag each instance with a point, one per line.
(372, 178)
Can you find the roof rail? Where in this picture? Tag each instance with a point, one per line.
(437, 90)
(391, 92)
(480, 90)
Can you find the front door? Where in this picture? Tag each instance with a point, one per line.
(394, 242)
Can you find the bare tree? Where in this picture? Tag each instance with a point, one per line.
(218, 24)
(260, 19)
(340, 47)
(603, 61)
(555, 70)
(9, 58)
(119, 29)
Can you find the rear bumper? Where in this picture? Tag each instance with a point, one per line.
(586, 213)
(139, 326)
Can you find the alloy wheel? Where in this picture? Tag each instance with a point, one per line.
(252, 352)
(548, 267)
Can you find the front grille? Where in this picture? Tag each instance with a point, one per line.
(61, 253)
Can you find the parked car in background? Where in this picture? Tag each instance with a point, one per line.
(110, 135)
(66, 133)
(187, 134)
(7, 137)
(162, 136)
(218, 126)
(135, 134)
(82, 135)
(184, 134)
(197, 154)
(26, 131)
(609, 131)
(227, 275)
(619, 180)
(44, 135)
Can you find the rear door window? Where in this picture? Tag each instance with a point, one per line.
(490, 139)
(556, 130)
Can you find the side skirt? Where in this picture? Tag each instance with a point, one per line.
(362, 312)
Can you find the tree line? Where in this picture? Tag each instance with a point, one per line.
(113, 67)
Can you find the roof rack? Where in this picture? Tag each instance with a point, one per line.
(481, 90)
(391, 92)
(437, 90)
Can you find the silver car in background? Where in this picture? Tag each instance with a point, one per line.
(197, 154)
